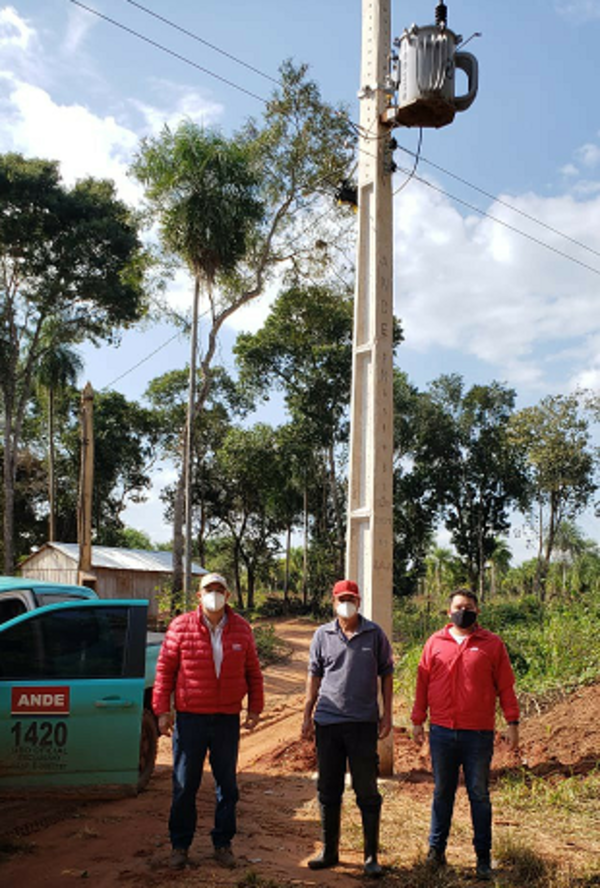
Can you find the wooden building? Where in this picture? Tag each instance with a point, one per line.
(116, 573)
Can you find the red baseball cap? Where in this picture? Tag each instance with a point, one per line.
(346, 587)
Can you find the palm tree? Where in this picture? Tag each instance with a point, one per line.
(569, 545)
(58, 369)
(499, 563)
(440, 564)
(203, 188)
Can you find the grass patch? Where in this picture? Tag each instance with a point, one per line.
(271, 648)
(525, 791)
(251, 879)
(526, 866)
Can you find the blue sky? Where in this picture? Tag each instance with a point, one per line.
(474, 297)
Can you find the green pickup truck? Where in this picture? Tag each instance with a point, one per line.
(76, 676)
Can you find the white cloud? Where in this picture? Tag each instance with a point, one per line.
(588, 155)
(84, 143)
(79, 24)
(589, 376)
(14, 30)
(570, 170)
(579, 10)
(173, 102)
(492, 294)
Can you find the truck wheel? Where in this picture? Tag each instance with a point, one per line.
(148, 749)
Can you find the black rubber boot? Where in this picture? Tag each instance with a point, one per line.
(330, 828)
(370, 821)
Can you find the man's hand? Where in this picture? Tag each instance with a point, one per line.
(512, 736)
(251, 720)
(308, 728)
(385, 726)
(418, 733)
(165, 724)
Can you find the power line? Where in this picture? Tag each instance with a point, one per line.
(417, 155)
(167, 50)
(143, 361)
(503, 223)
(503, 203)
(223, 52)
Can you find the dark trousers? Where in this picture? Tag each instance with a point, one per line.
(193, 737)
(355, 743)
(473, 751)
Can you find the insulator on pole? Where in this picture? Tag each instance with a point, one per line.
(441, 14)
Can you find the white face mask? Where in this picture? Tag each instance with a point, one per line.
(346, 609)
(213, 601)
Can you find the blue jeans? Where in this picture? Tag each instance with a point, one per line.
(356, 743)
(473, 750)
(194, 736)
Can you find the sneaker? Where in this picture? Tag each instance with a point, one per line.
(224, 857)
(435, 858)
(178, 858)
(484, 870)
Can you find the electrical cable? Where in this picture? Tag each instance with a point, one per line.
(483, 213)
(142, 361)
(503, 203)
(513, 228)
(223, 52)
(193, 64)
(360, 131)
(167, 50)
(417, 157)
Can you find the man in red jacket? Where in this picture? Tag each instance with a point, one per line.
(208, 660)
(463, 670)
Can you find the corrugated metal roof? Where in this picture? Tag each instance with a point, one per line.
(114, 558)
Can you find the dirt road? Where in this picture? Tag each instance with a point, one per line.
(126, 842)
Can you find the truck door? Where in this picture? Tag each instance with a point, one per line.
(71, 695)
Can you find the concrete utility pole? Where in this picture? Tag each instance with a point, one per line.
(86, 486)
(369, 538)
(188, 460)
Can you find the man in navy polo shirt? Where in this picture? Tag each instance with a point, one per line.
(347, 657)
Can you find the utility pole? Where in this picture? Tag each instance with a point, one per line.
(189, 451)
(369, 552)
(86, 486)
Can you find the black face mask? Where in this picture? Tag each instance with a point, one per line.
(463, 619)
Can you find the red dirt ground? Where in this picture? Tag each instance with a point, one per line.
(119, 842)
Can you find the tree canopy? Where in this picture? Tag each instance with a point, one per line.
(69, 256)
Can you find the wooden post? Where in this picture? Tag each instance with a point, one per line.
(369, 537)
(86, 486)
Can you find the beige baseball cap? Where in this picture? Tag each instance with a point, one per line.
(209, 579)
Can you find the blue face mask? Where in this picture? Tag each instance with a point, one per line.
(463, 619)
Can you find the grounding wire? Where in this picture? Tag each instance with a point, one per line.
(417, 157)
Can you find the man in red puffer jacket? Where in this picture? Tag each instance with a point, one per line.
(208, 660)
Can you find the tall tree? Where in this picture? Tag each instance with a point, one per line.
(304, 350)
(563, 465)
(203, 188)
(464, 463)
(299, 150)
(70, 256)
(247, 477)
(58, 369)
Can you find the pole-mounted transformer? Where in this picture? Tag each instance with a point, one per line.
(422, 75)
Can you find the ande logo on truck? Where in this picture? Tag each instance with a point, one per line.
(40, 701)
